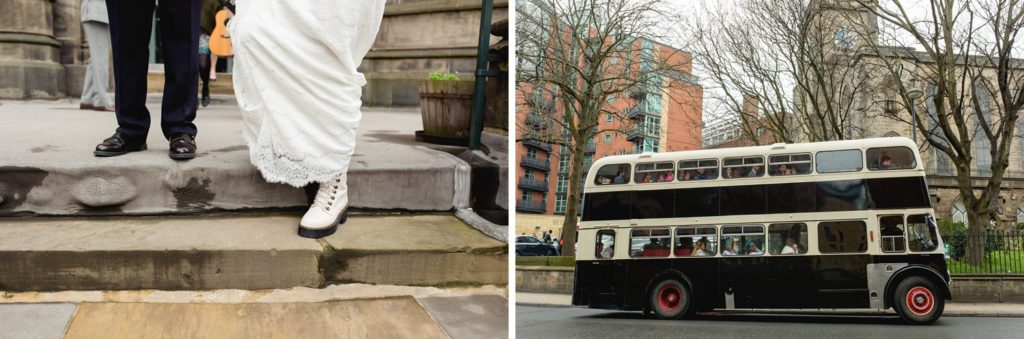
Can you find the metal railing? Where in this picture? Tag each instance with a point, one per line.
(530, 206)
(535, 185)
(536, 143)
(543, 165)
(1003, 253)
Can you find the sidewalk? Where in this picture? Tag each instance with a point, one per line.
(48, 167)
(952, 309)
(352, 310)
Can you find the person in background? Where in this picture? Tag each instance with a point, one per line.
(207, 22)
(547, 237)
(97, 75)
(791, 247)
(701, 249)
(621, 177)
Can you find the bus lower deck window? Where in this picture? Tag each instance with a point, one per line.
(891, 228)
(842, 237)
(743, 240)
(650, 242)
(604, 248)
(696, 241)
(921, 233)
(789, 238)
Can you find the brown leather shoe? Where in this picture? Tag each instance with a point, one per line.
(104, 108)
(118, 145)
(86, 106)
(183, 147)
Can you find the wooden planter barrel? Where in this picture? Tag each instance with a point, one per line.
(447, 107)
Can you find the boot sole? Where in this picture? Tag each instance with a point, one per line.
(114, 154)
(182, 156)
(317, 234)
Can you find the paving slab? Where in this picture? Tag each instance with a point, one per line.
(482, 316)
(398, 317)
(435, 250)
(34, 321)
(50, 170)
(242, 252)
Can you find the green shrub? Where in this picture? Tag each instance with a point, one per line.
(443, 76)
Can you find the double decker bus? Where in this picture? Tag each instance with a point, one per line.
(826, 225)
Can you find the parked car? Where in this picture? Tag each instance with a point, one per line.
(527, 245)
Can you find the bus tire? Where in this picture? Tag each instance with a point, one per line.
(918, 301)
(670, 299)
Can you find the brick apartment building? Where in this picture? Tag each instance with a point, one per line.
(663, 117)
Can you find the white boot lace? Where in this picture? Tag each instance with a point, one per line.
(325, 196)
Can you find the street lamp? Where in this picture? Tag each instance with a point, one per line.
(913, 94)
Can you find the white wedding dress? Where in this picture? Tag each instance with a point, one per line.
(296, 83)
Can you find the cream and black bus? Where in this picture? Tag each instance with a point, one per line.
(827, 225)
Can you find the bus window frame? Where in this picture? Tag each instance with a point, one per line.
(676, 236)
(597, 254)
(744, 164)
(628, 179)
(930, 225)
(867, 155)
(806, 231)
(809, 162)
(860, 154)
(680, 168)
(882, 236)
(743, 233)
(650, 230)
(817, 229)
(654, 165)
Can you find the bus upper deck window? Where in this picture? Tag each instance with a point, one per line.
(742, 240)
(698, 170)
(790, 238)
(742, 167)
(612, 175)
(838, 161)
(921, 233)
(891, 228)
(890, 158)
(648, 242)
(604, 247)
(789, 164)
(653, 172)
(699, 241)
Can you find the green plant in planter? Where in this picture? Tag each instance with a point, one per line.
(443, 76)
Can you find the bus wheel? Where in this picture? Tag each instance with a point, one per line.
(917, 301)
(670, 299)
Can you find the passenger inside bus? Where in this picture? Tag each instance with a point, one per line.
(731, 246)
(608, 251)
(755, 171)
(752, 249)
(702, 173)
(885, 163)
(791, 246)
(655, 249)
(701, 250)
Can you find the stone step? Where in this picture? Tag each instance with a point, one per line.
(259, 251)
(53, 170)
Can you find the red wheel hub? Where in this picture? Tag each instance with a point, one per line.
(920, 300)
(670, 298)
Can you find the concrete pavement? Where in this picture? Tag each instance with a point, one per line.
(353, 310)
(48, 168)
(952, 309)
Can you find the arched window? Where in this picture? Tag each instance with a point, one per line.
(891, 134)
(1020, 214)
(939, 158)
(959, 212)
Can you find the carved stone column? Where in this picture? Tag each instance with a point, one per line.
(30, 54)
(67, 29)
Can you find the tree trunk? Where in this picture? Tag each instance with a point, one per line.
(572, 199)
(975, 252)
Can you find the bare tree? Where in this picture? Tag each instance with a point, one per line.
(785, 54)
(962, 54)
(572, 55)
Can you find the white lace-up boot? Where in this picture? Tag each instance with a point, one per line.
(330, 208)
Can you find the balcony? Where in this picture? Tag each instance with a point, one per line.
(590, 147)
(530, 206)
(537, 144)
(535, 122)
(635, 133)
(639, 110)
(535, 185)
(534, 163)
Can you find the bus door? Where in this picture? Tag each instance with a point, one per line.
(599, 276)
(741, 268)
(841, 271)
(788, 270)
